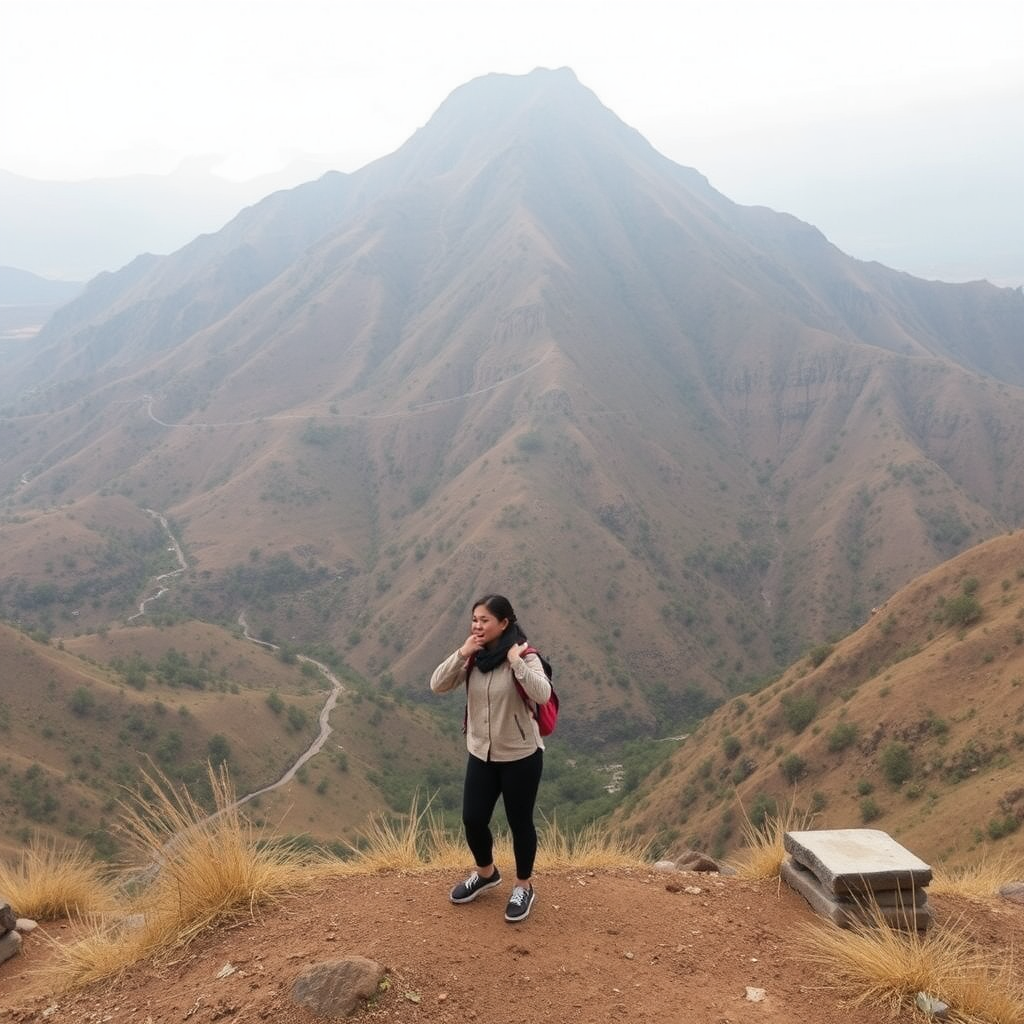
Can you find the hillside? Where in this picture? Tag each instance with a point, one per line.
(914, 723)
(527, 353)
(80, 720)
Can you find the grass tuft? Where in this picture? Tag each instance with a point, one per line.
(419, 842)
(886, 968)
(980, 880)
(765, 849)
(50, 881)
(203, 868)
(592, 848)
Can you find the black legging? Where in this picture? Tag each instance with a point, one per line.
(517, 783)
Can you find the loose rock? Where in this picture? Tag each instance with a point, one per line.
(1013, 891)
(10, 944)
(7, 918)
(337, 988)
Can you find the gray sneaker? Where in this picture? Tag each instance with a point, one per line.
(519, 903)
(467, 891)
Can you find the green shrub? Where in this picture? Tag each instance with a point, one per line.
(799, 710)
(817, 655)
(218, 749)
(842, 736)
(731, 745)
(961, 610)
(897, 762)
(792, 767)
(82, 702)
(869, 810)
(763, 808)
(998, 828)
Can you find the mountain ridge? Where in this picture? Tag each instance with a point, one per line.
(676, 430)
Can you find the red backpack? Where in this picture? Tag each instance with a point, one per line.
(545, 714)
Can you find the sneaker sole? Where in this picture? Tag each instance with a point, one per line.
(479, 889)
(525, 914)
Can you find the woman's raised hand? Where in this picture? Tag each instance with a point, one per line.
(515, 652)
(471, 646)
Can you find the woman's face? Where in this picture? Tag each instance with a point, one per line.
(485, 627)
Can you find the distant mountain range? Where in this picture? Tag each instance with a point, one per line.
(21, 288)
(526, 353)
(73, 230)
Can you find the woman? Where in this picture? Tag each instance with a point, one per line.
(506, 752)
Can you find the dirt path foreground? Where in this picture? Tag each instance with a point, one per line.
(623, 945)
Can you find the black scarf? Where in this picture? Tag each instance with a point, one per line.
(491, 657)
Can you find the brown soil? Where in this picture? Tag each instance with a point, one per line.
(629, 945)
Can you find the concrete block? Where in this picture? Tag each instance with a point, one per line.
(846, 912)
(857, 861)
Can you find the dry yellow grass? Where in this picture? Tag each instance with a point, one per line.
(980, 880)
(885, 968)
(203, 868)
(764, 850)
(593, 848)
(418, 842)
(50, 881)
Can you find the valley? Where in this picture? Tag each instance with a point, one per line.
(694, 442)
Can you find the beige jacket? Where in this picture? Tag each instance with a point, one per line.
(499, 726)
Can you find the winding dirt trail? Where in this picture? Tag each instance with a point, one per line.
(182, 565)
(337, 688)
(325, 714)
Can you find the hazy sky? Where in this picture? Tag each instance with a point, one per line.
(828, 109)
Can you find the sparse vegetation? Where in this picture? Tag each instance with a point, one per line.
(47, 882)
(980, 879)
(764, 842)
(210, 868)
(884, 968)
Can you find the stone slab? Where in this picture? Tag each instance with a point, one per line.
(857, 861)
(8, 919)
(847, 912)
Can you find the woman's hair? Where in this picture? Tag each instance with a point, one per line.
(500, 607)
